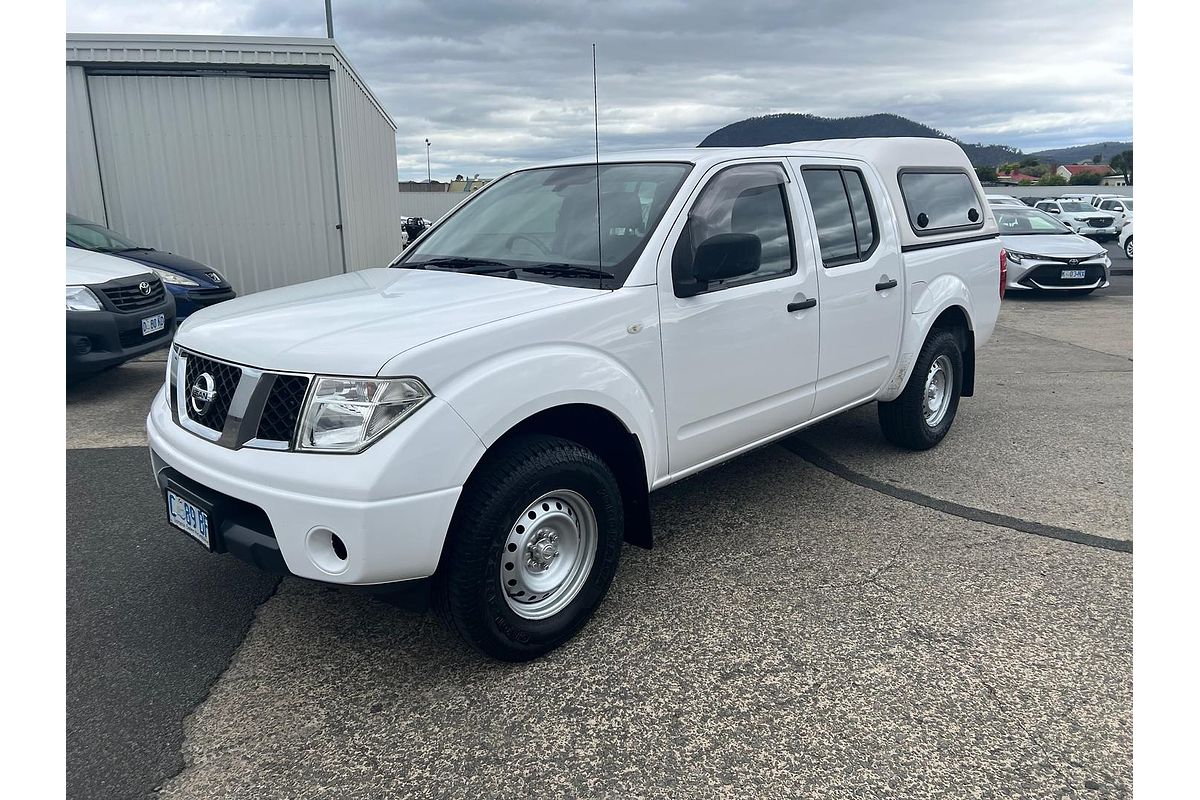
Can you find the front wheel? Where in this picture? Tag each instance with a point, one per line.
(922, 415)
(1129, 248)
(532, 548)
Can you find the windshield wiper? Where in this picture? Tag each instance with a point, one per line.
(567, 271)
(129, 249)
(463, 263)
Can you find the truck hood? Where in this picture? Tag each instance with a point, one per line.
(1066, 245)
(355, 323)
(87, 268)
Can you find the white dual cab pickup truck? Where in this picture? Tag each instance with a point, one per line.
(486, 418)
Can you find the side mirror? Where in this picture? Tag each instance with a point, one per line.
(727, 255)
(720, 257)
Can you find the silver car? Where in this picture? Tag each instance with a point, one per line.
(1045, 254)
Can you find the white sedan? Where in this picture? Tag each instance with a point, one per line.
(1045, 254)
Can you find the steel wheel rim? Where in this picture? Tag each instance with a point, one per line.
(548, 554)
(938, 388)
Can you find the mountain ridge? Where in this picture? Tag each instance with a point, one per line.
(792, 127)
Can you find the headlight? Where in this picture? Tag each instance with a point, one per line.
(1016, 257)
(80, 298)
(173, 278)
(345, 415)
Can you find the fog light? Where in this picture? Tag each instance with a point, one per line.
(327, 551)
(83, 345)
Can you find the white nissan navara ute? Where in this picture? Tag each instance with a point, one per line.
(482, 422)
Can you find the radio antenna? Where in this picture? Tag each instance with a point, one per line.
(596, 129)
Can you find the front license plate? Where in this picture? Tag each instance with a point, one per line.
(153, 324)
(189, 519)
(1074, 273)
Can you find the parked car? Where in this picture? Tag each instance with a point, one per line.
(486, 418)
(1099, 198)
(1120, 207)
(1082, 218)
(1083, 198)
(1126, 241)
(116, 310)
(1047, 255)
(1004, 200)
(193, 285)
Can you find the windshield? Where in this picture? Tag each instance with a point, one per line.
(541, 224)
(1075, 207)
(1027, 221)
(95, 237)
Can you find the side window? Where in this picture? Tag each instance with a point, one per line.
(745, 199)
(940, 201)
(1110, 205)
(846, 227)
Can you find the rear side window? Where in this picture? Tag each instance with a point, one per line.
(940, 201)
(846, 228)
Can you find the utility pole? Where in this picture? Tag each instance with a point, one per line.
(329, 18)
(428, 174)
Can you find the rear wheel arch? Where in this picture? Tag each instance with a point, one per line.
(956, 320)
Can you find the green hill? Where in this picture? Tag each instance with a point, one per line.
(782, 128)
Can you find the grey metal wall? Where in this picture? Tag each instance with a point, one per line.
(296, 184)
(236, 172)
(84, 195)
(366, 160)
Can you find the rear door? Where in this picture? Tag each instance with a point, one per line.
(860, 279)
(740, 356)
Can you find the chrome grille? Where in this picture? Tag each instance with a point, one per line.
(265, 415)
(127, 296)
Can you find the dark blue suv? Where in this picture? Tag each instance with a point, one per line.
(193, 285)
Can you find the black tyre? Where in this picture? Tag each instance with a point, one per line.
(922, 415)
(532, 548)
(1129, 248)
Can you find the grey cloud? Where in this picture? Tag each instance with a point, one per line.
(498, 85)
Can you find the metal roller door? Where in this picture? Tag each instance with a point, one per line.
(234, 171)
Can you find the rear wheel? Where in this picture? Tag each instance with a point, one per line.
(922, 415)
(532, 549)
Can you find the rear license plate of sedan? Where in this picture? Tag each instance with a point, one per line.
(188, 518)
(1068, 274)
(153, 324)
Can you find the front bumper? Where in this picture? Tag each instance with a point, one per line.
(97, 340)
(189, 300)
(1046, 274)
(390, 505)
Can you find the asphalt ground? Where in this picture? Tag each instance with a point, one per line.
(826, 617)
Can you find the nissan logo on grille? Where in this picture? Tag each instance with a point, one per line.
(203, 392)
(144, 287)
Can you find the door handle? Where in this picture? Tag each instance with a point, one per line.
(802, 304)
(882, 285)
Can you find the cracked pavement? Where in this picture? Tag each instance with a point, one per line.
(792, 634)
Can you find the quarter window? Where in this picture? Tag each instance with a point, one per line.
(748, 198)
(846, 227)
(938, 202)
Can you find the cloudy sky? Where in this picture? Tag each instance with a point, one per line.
(500, 84)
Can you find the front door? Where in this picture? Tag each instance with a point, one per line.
(861, 281)
(739, 354)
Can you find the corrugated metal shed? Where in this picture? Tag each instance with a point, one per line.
(266, 158)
